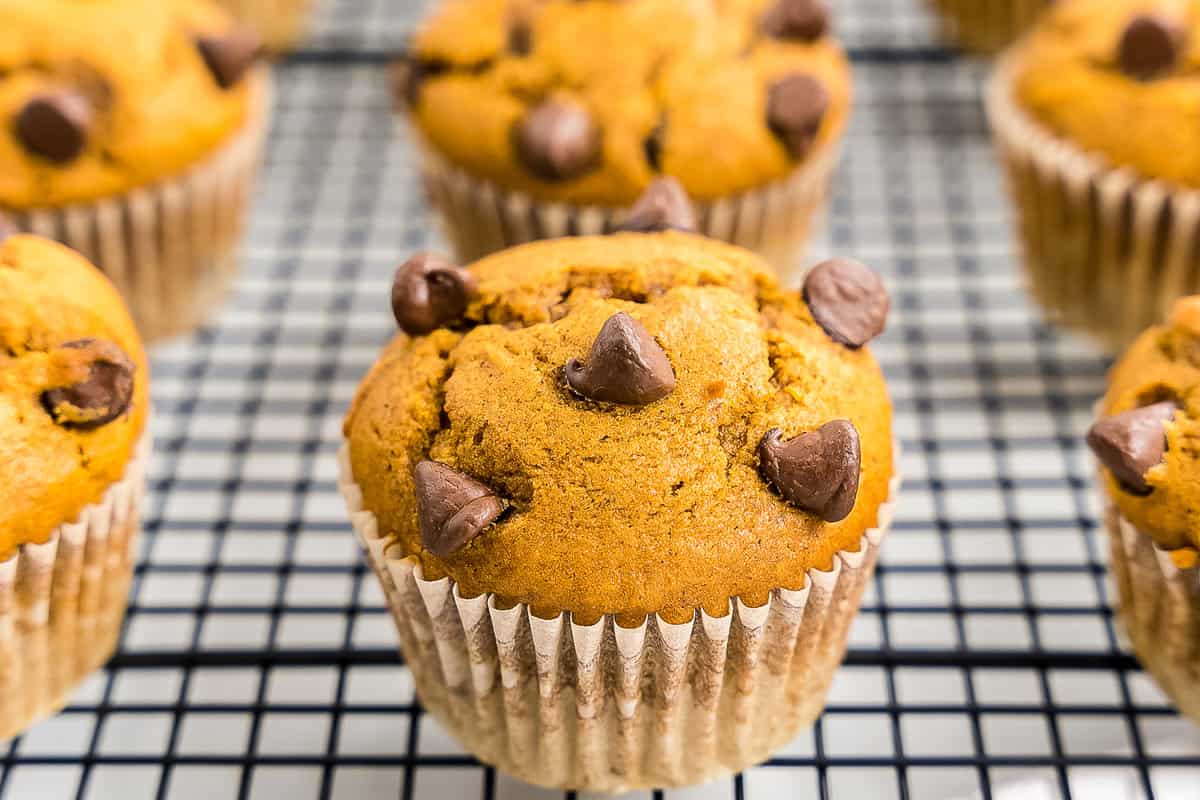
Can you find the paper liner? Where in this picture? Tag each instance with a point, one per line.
(62, 602)
(987, 26)
(1106, 251)
(480, 217)
(170, 247)
(606, 708)
(282, 23)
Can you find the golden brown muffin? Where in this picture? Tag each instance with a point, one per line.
(1117, 78)
(73, 388)
(577, 486)
(106, 95)
(585, 102)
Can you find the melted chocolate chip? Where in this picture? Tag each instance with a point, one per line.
(796, 106)
(806, 20)
(663, 206)
(429, 292)
(452, 508)
(558, 140)
(1130, 444)
(104, 395)
(231, 56)
(625, 365)
(56, 125)
(847, 300)
(817, 471)
(1151, 45)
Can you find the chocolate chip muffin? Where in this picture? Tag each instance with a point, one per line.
(133, 131)
(73, 406)
(1150, 474)
(545, 119)
(1093, 114)
(658, 452)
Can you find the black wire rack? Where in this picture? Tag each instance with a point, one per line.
(257, 661)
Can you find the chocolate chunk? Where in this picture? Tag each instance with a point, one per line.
(663, 206)
(807, 20)
(520, 38)
(230, 57)
(558, 140)
(105, 395)
(429, 292)
(847, 300)
(452, 508)
(796, 105)
(55, 125)
(817, 471)
(625, 366)
(1129, 444)
(652, 145)
(1151, 45)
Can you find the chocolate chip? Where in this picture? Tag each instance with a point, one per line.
(663, 206)
(847, 300)
(807, 20)
(1129, 444)
(105, 395)
(429, 292)
(558, 140)
(1150, 45)
(796, 105)
(652, 145)
(55, 125)
(520, 38)
(452, 508)
(625, 366)
(230, 57)
(817, 471)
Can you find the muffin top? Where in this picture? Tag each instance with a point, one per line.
(638, 423)
(100, 96)
(73, 396)
(586, 101)
(1117, 78)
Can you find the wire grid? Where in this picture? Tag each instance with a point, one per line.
(258, 663)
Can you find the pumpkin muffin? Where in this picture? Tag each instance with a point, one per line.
(281, 23)
(546, 119)
(1150, 481)
(133, 132)
(640, 449)
(73, 441)
(987, 26)
(1094, 115)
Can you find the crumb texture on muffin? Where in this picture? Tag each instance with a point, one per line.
(654, 502)
(635, 89)
(102, 96)
(1117, 79)
(73, 388)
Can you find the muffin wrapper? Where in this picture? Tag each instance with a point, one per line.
(282, 23)
(169, 247)
(480, 217)
(1105, 251)
(62, 602)
(986, 26)
(606, 708)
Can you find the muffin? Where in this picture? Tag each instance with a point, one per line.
(281, 23)
(537, 120)
(133, 134)
(623, 494)
(73, 447)
(1094, 114)
(1150, 484)
(987, 26)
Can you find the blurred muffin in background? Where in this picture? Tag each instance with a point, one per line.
(1145, 442)
(986, 26)
(281, 23)
(1097, 119)
(544, 119)
(133, 132)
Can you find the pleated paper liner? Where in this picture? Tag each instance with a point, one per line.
(1106, 252)
(479, 217)
(605, 708)
(170, 248)
(62, 603)
(986, 26)
(281, 23)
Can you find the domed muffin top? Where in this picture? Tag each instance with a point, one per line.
(1117, 78)
(630, 424)
(100, 96)
(73, 388)
(587, 101)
